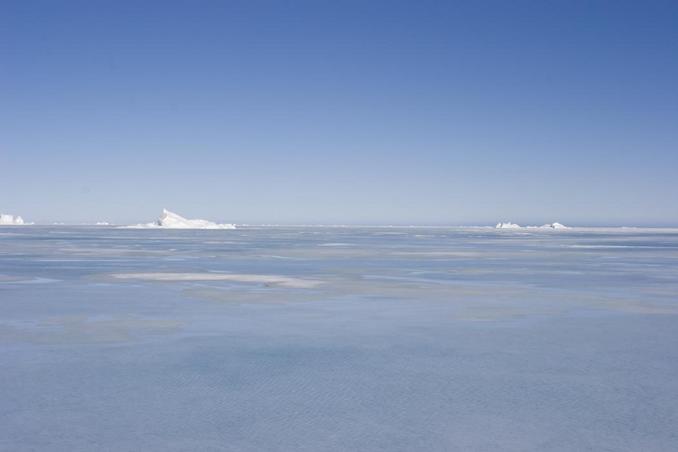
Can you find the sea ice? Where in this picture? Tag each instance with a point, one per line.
(432, 339)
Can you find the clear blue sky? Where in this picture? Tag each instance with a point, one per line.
(340, 111)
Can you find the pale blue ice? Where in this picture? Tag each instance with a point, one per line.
(387, 339)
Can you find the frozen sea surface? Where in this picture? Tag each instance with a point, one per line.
(338, 339)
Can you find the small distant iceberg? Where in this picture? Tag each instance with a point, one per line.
(171, 220)
(508, 225)
(11, 220)
(102, 223)
(553, 226)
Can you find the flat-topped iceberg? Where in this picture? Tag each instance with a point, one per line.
(11, 220)
(171, 220)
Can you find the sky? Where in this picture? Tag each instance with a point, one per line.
(340, 112)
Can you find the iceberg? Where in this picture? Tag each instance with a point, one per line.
(171, 220)
(508, 225)
(554, 226)
(11, 220)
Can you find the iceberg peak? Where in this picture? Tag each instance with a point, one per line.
(170, 218)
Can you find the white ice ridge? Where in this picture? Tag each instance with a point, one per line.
(10, 220)
(171, 220)
(510, 225)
